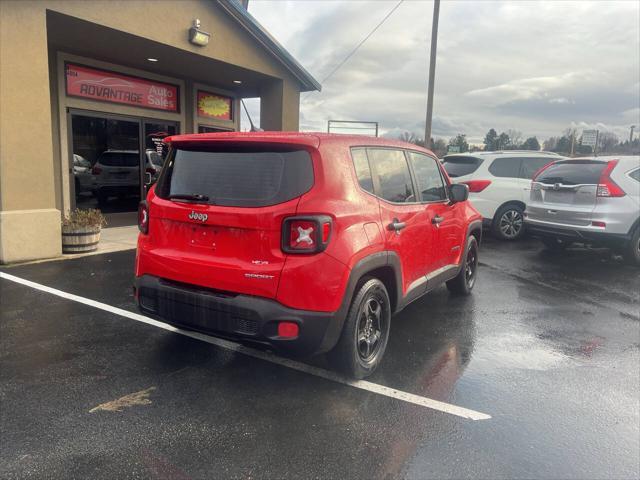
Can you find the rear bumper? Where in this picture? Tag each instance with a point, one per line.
(240, 317)
(573, 233)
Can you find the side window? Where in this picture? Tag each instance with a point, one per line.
(635, 174)
(508, 167)
(363, 172)
(390, 167)
(428, 177)
(531, 165)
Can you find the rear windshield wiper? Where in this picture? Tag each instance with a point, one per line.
(193, 197)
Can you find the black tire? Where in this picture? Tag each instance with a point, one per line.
(508, 223)
(555, 244)
(632, 250)
(366, 329)
(464, 282)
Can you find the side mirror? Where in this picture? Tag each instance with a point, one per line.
(458, 192)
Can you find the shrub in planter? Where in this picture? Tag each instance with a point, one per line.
(81, 230)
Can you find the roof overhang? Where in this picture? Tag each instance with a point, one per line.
(235, 9)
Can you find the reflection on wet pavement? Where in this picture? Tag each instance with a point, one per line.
(555, 364)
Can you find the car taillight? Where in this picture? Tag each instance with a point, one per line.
(143, 217)
(306, 234)
(606, 186)
(96, 171)
(476, 186)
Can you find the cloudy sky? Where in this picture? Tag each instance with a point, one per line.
(538, 67)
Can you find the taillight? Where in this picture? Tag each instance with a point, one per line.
(96, 171)
(143, 217)
(476, 186)
(606, 186)
(306, 234)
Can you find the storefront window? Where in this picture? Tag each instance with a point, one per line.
(112, 186)
(107, 165)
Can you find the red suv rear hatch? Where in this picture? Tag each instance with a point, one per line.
(216, 215)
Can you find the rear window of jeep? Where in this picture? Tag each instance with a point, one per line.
(237, 177)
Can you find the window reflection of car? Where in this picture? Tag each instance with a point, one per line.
(82, 174)
(154, 162)
(116, 173)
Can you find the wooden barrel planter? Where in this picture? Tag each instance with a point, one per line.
(80, 240)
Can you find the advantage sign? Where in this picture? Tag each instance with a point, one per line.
(112, 87)
(589, 138)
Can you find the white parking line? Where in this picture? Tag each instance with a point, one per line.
(252, 352)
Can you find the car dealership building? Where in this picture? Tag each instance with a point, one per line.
(81, 78)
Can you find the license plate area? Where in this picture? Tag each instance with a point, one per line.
(203, 237)
(561, 197)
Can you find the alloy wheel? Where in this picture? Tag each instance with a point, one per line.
(511, 223)
(470, 268)
(370, 325)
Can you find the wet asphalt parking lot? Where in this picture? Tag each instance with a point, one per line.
(548, 346)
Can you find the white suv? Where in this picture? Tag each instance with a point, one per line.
(499, 184)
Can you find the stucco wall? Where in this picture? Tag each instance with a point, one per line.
(32, 133)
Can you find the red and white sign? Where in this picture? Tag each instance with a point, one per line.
(112, 87)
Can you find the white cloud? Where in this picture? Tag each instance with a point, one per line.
(538, 67)
(561, 100)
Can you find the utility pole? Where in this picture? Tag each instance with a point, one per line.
(432, 72)
(573, 143)
(631, 133)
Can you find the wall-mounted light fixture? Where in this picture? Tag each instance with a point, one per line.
(197, 36)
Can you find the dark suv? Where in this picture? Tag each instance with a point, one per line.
(304, 242)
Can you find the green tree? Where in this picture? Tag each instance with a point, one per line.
(531, 143)
(439, 147)
(563, 145)
(502, 141)
(550, 143)
(460, 140)
(490, 140)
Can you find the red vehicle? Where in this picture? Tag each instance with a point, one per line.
(308, 243)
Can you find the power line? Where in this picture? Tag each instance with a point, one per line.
(357, 47)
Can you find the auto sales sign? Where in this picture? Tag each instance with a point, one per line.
(113, 87)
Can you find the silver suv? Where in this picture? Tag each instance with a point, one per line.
(588, 200)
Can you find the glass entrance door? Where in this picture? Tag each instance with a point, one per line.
(106, 163)
(155, 151)
(114, 159)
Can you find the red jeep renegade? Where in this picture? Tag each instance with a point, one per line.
(308, 243)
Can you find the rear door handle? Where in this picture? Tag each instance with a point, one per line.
(437, 219)
(396, 225)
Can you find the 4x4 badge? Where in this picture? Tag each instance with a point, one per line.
(198, 216)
